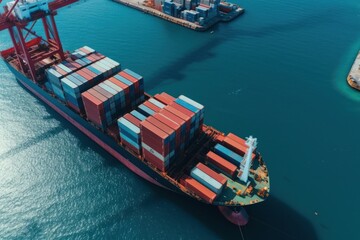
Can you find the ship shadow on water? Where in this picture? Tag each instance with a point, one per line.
(272, 219)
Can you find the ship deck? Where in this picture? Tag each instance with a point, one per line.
(234, 193)
(354, 75)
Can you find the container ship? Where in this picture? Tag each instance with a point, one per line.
(161, 138)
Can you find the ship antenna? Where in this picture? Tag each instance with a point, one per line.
(251, 142)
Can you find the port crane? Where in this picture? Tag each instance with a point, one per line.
(19, 18)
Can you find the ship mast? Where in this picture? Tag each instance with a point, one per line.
(245, 165)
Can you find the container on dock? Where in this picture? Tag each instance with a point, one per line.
(168, 7)
(200, 190)
(202, 175)
(222, 164)
(164, 98)
(229, 155)
(203, 11)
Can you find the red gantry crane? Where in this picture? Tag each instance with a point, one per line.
(19, 18)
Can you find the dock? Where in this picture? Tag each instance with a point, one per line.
(353, 78)
(140, 5)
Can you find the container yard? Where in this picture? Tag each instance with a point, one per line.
(199, 15)
(353, 77)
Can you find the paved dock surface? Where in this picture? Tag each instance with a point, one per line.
(139, 5)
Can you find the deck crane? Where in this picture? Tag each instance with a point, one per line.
(19, 18)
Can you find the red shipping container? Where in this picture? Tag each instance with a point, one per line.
(237, 139)
(90, 73)
(212, 173)
(200, 190)
(84, 50)
(76, 65)
(173, 125)
(154, 137)
(154, 160)
(59, 70)
(221, 163)
(182, 116)
(183, 110)
(167, 96)
(152, 106)
(176, 119)
(162, 99)
(131, 79)
(132, 119)
(93, 107)
(84, 75)
(155, 143)
(172, 117)
(160, 125)
(236, 147)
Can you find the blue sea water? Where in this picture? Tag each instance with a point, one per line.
(278, 72)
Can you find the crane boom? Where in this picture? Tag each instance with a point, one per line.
(17, 15)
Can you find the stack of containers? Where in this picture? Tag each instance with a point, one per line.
(67, 67)
(227, 154)
(209, 178)
(136, 84)
(196, 108)
(83, 79)
(236, 144)
(129, 127)
(110, 99)
(222, 164)
(104, 103)
(190, 113)
(168, 7)
(158, 143)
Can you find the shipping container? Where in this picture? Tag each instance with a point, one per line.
(222, 164)
(206, 180)
(199, 189)
(236, 147)
(228, 154)
(221, 179)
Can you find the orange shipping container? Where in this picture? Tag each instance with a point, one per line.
(221, 163)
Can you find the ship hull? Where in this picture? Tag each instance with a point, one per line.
(108, 144)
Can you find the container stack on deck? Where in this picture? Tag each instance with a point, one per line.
(107, 101)
(161, 128)
(206, 181)
(72, 77)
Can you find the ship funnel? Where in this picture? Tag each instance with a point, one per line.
(251, 142)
